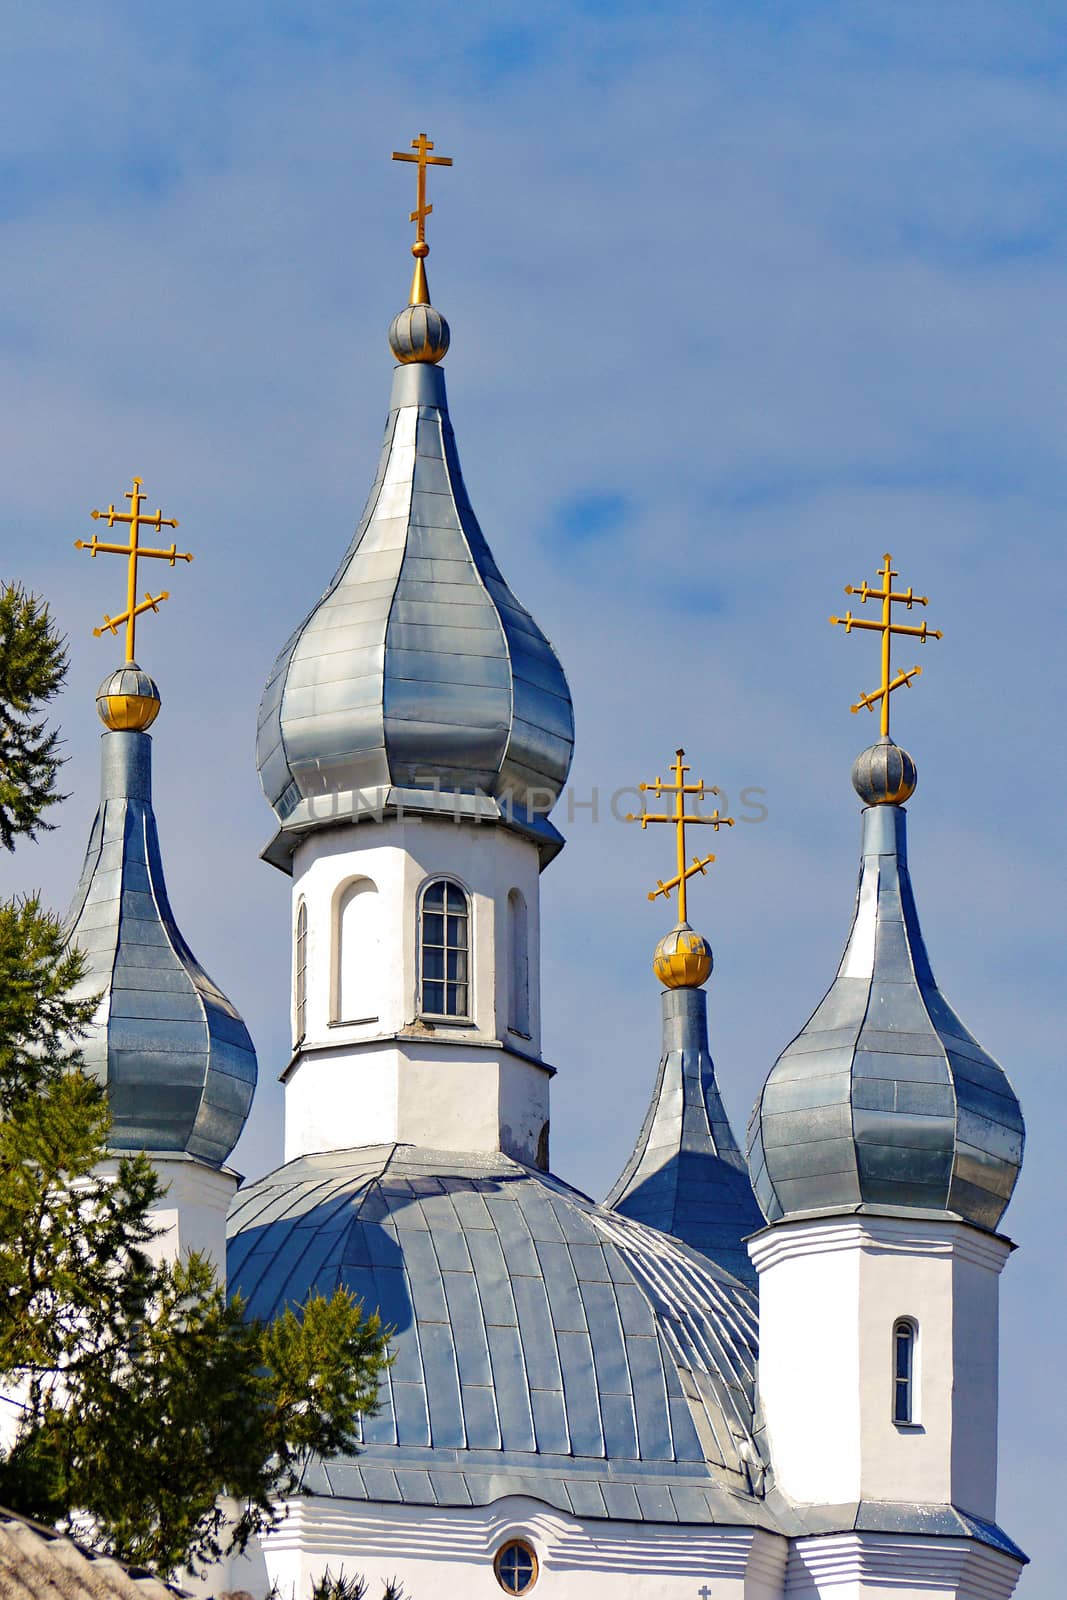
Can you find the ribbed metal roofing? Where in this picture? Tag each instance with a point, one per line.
(884, 1097)
(418, 667)
(178, 1062)
(686, 1175)
(543, 1345)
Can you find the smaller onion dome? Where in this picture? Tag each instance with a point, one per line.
(682, 959)
(177, 1059)
(128, 700)
(884, 1099)
(884, 774)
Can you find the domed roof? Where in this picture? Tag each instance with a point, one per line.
(178, 1062)
(418, 668)
(885, 1098)
(544, 1345)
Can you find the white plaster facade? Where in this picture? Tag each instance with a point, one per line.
(448, 1554)
(831, 1291)
(392, 1072)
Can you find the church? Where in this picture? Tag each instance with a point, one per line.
(746, 1374)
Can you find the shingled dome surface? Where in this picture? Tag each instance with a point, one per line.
(543, 1345)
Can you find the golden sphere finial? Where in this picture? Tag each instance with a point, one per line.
(682, 959)
(128, 700)
(420, 249)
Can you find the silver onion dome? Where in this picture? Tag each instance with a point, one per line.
(418, 668)
(884, 1098)
(177, 1059)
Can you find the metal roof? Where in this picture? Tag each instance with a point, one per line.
(543, 1345)
(884, 1097)
(686, 1175)
(178, 1062)
(418, 668)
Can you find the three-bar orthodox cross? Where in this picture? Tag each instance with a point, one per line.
(887, 628)
(423, 159)
(680, 819)
(136, 519)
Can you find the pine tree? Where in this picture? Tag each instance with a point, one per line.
(143, 1394)
(33, 661)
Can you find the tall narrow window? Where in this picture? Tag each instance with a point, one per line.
(518, 966)
(904, 1371)
(445, 946)
(300, 970)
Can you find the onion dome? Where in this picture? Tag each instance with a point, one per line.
(177, 1059)
(418, 670)
(884, 1099)
(686, 1175)
(128, 700)
(542, 1345)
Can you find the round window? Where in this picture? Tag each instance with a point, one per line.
(516, 1567)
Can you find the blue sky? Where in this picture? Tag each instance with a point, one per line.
(741, 296)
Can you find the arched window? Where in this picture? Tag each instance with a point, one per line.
(300, 971)
(904, 1332)
(515, 1565)
(444, 941)
(518, 965)
(357, 969)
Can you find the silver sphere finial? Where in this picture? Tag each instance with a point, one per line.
(884, 774)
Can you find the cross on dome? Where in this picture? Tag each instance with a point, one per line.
(887, 628)
(682, 958)
(136, 519)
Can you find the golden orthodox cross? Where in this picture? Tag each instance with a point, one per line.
(887, 628)
(680, 819)
(136, 519)
(423, 159)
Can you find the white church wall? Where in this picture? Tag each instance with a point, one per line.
(391, 1073)
(831, 1292)
(439, 1553)
(191, 1215)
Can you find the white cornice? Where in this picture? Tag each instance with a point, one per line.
(786, 1241)
(903, 1562)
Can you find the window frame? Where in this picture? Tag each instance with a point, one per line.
(425, 1013)
(906, 1333)
(517, 1543)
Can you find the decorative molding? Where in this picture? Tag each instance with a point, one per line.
(337, 1530)
(956, 1567)
(787, 1241)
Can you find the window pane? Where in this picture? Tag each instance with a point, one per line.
(457, 1000)
(433, 928)
(433, 964)
(435, 896)
(903, 1353)
(433, 998)
(457, 966)
(901, 1403)
(457, 900)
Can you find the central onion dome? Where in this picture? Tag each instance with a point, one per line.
(418, 669)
